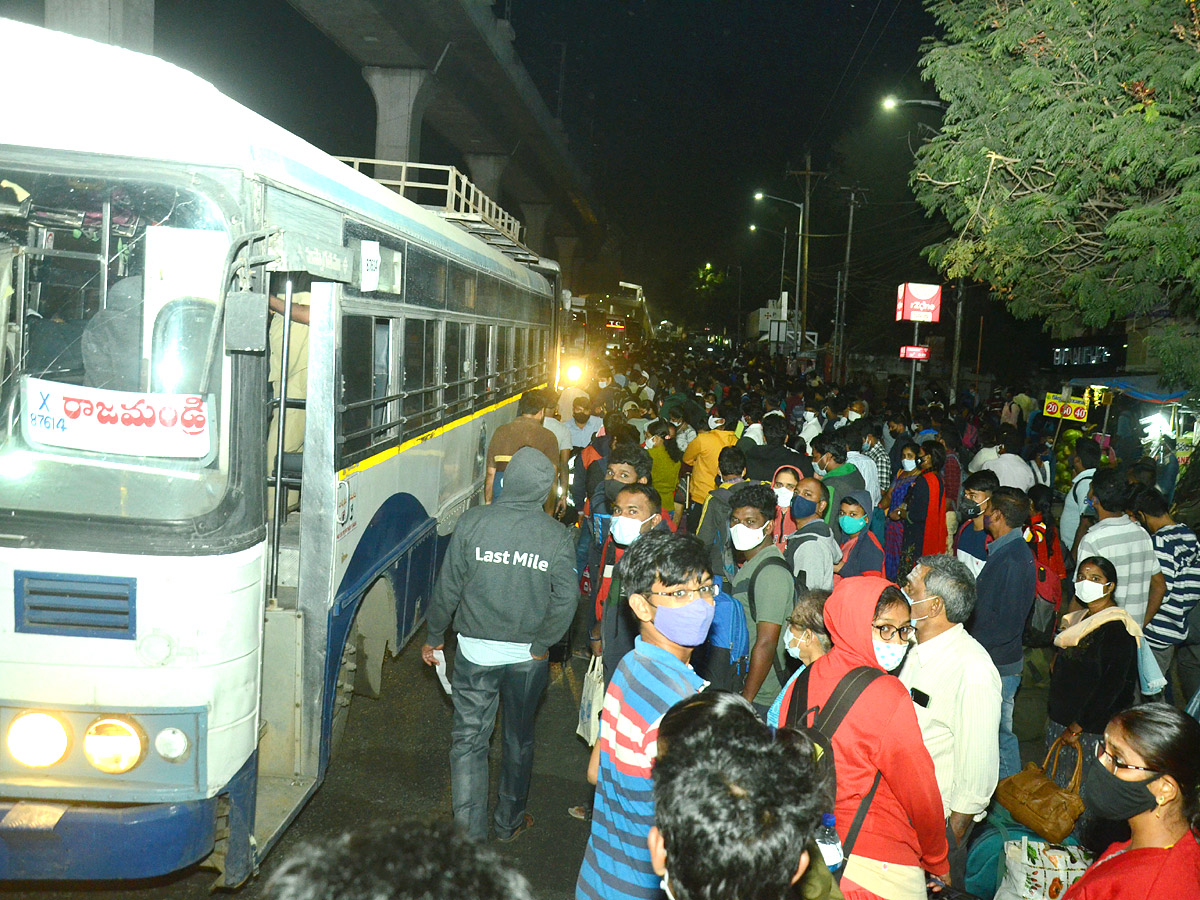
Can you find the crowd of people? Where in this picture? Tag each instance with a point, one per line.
(888, 569)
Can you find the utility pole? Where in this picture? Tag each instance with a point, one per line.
(808, 173)
(839, 346)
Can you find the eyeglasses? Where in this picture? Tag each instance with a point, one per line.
(707, 591)
(887, 632)
(1102, 754)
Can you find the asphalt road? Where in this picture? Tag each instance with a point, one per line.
(394, 765)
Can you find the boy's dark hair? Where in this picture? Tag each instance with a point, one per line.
(664, 556)
(1143, 473)
(645, 490)
(613, 419)
(632, 454)
(623, 435)
(704, 718)
(832, 444)
(736, 812)
(731, 461)
(983, 480)
(1149, 501)
(774, 431)
(852, 502)
(950, 437)
(531, 403)
(1088, 452)
(1111, 490)
(756, 494)
(397, 861)
(1012, 504)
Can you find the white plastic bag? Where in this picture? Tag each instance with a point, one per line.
(1149, 673)
(1035, 870)
(591, 701)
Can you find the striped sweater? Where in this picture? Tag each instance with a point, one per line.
(1178, 554)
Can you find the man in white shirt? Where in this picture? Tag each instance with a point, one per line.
(1084, 461)
(1011, 468)
(565, 446)
(1125, 544)
(986, 453)
(866, 465)
(955, 689)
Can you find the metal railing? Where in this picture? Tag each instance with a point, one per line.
(459, 197)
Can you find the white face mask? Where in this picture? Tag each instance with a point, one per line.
(714, 423)
(908, 464)
(853, 416)
(603, 383)
(809, 415)
(792, 644)
(1089, 591)
(746, 538)
(913, 620)
(783, 495)
(889, 655)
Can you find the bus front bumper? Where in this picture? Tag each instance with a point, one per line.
(42, 841)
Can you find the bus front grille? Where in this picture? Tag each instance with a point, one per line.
(75, 605)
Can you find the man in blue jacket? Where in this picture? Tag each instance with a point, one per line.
(507, 586)
(1004, 592)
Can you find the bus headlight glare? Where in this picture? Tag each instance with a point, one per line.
(37, 739)
(172, 744)
(113, 745)
(574, 373)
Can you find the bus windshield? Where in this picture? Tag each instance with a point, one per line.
(108, 289)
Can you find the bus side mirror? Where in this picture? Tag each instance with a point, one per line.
(246, 322)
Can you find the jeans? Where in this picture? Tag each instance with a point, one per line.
(1010, 748)
(478, 690)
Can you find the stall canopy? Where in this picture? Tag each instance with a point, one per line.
(1140, 387)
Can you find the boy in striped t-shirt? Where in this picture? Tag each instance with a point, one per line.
(1178, 554)
(669, 584)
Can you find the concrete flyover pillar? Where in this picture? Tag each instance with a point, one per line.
(566, 246)
(401, 97)
(533, 217)
(124, 23)
(486, 171)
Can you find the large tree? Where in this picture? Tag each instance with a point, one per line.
(1068, 162)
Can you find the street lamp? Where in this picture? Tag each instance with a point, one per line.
(802, 306)
(892, 102)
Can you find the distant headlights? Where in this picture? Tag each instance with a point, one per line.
(37, 739)
(114, 745)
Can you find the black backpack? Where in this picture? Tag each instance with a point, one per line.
(825, 722)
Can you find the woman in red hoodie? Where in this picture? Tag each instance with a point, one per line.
(904, 833)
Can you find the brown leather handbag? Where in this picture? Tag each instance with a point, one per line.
(1035, 801)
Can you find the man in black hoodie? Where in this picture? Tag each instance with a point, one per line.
(508, 588)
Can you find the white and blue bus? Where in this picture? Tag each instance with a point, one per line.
(183, 623)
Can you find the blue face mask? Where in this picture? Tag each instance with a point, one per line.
(802, 507)
(851, 524)
(685, 625)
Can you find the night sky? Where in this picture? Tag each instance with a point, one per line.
(678, 110)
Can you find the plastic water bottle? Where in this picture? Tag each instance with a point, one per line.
(829, 843)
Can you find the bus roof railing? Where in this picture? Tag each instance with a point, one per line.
(453, 197)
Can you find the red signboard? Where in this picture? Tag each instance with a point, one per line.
(910, 352)
(918, 302)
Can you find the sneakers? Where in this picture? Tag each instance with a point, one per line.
(525, 825)
(582, 812)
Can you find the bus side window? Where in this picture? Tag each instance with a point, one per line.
(483, 334)
(457, 372)
(421, 381)
(503, 361)
(357, 385)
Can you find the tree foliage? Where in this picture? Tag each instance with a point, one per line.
(1068, 163)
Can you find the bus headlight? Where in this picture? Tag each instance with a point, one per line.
(172, 744)
(574, 373)
(37, 739)
(114, 745)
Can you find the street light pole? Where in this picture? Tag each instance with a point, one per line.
(957, 345)
(801, 311)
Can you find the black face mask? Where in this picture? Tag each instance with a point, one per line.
(582, 418)
(1111, 797)
(612, 487)
(970, 510)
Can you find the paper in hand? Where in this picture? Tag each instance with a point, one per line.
(440, 668)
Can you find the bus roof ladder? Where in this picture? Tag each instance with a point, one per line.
(448, 192)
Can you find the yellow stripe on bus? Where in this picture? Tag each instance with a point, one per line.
(385, 455)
